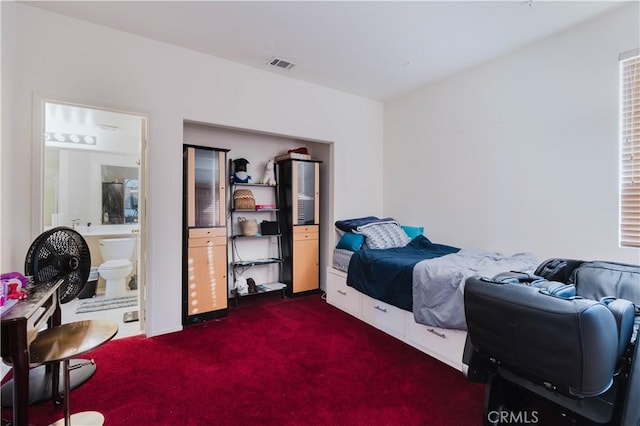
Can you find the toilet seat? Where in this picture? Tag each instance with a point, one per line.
(115, 264)
(115, 272)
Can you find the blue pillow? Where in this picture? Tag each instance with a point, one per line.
(351, 241)
(413, 231)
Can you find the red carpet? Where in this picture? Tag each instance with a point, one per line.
(272, 361)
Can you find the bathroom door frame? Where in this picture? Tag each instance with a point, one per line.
(37, 225)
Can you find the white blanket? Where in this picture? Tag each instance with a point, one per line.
(438, 284)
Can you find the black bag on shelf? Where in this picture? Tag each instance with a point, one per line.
(269, 227)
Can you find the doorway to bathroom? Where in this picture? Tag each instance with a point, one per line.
(93, 180)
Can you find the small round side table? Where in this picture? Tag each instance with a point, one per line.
(65, 341)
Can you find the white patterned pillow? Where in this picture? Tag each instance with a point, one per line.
(384, 235)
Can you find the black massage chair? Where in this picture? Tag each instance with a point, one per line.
(564, 338)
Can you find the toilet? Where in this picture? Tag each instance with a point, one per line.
(116, 253)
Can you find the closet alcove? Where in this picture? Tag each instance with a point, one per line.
(259, 147)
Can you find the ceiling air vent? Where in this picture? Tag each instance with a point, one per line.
(276, 62)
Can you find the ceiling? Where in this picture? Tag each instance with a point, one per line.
(375, 49)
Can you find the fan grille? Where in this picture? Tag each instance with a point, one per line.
(60, 253)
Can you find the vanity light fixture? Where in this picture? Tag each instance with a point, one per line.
(70, 138)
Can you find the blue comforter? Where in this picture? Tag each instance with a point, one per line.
(386, 274)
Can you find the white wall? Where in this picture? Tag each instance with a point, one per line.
(521, 153)
(7, 73)
(75, 61)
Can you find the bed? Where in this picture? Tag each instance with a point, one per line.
(393, 277)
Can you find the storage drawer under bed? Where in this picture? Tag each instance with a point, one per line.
(447, 345)
(342, 296)
(384, 316)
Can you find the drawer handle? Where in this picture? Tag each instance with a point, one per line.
(342, 292)
(380, 309)
(431, 330)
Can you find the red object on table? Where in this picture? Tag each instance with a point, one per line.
(15, 292)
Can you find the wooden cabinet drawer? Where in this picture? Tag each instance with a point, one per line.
(305, 236)
(383, 316)
(207, 232)
(342, 296)
(203, 242)
(447, 345)
(302, 229)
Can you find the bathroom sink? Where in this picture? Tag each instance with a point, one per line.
(107, 230)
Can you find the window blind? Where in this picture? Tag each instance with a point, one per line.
(630, 149)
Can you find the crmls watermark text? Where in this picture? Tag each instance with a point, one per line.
(516, 417)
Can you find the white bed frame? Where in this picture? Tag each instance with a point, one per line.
(445, 345)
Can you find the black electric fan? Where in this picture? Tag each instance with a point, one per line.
(57, 254)
(60, 253)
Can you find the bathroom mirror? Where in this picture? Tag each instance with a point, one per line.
(119, 195)
(91, 169)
